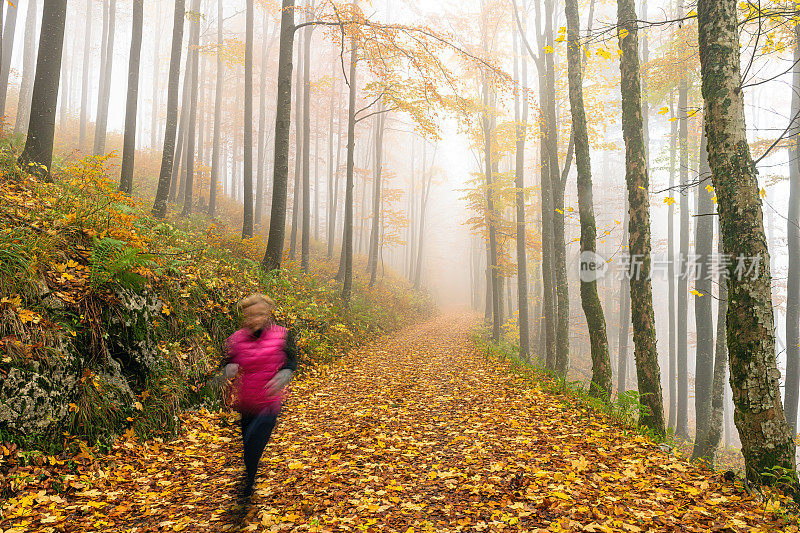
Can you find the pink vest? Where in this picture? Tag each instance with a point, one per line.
(259, 359)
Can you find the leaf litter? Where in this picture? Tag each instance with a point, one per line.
(415, 433)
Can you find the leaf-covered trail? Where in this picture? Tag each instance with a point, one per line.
(414, 433)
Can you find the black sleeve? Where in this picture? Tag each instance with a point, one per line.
(291, 353)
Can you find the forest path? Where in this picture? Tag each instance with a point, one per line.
(414, 433)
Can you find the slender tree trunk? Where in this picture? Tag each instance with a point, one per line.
(592, 308)
(521, 120)
(624, 317)
(643, 317)
(29, 67)
(372, 262)
(331, 191)
(9, 31)
(37, 156)
(262, 121)
(305, 240)
(105, 84)
(767, 439)
(160, 204)
(793, 244)
(347, 240)
(87, 60)
(129, 142)
(156, 75)
(177, 184)
(494, 274)
(298, 148)
(425, 190)
(247, 219)
(277, 222)
(215, 155)
(703, 313)
(682, 426)
(194, 53)
(335, 205)
(673, 399)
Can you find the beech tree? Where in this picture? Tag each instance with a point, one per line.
(28, 68)
(767, 440)
(160, 204)
(106, 64)
(643, 316)
(129, 143)
(37, 156)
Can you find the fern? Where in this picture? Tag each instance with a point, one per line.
(113, 261)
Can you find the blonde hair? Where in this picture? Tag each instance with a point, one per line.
(256, 299)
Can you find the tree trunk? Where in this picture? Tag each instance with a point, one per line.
(160, 204)
(156, 75)
(194, 53)
(129, 142)
(262, 121)
(347, 239)
(176, 188)
(521, 120)
(105, 83)
(643, 317)
(624, 317)
(305, 240)
(682, 425)
(87, 61)
(37, 156)
(335, 194)
(590, 300)
(673, 398)
(9, 31)
(425, 190)
(793, 244)
(703, 313)
(298, 148)
(215, 150)
(331, 214)
(494, 275)
(767, 439)
(372, 262)
(280, 169)
(29, 67)
(247, 218)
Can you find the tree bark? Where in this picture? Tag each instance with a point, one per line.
(87, 60)
(372, 262)
(194, 53)
(672, 377)
(37, 156)
(704, 322)
(682, 425)
(105, 83)
(643, 317)
(305, 240)
(491, 215)
(521, 120)
(624, 317)
(592, 308)
(9, 31)
(156, 75)
(29, 67)
(160, 204)
(277, 222)
(767, 439)
(793, 244)
(247, 218)
(215, 149)
(129, 141)
(298, 149)
(262, 122)
(347, 239)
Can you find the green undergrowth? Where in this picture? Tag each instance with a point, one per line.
(622, 409)
(113, 321)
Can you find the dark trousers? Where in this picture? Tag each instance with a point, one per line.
(256, 430)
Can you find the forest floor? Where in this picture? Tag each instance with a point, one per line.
(414, 433)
